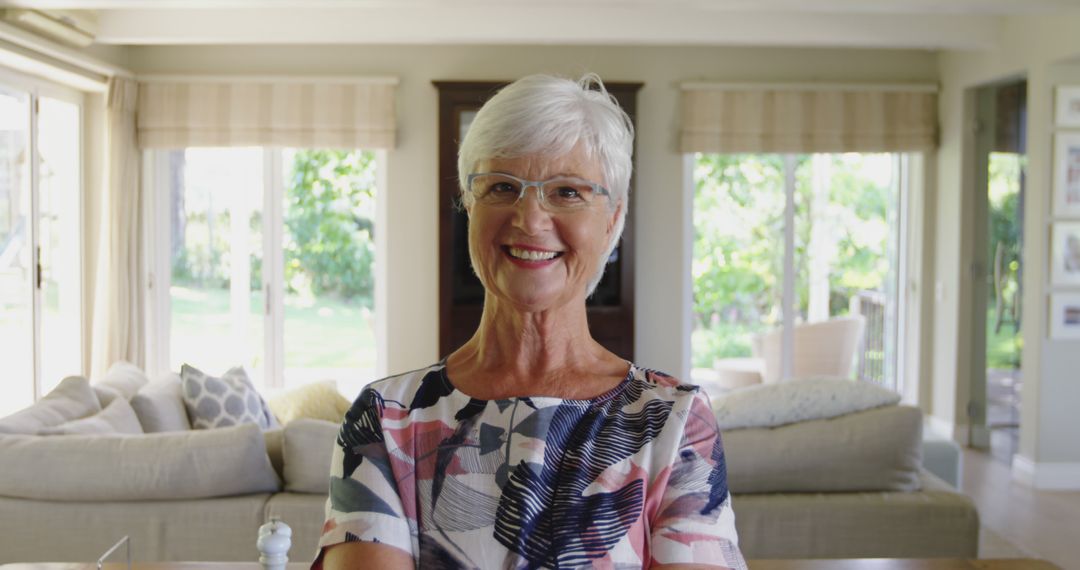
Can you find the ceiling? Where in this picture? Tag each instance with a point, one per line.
(916, 24)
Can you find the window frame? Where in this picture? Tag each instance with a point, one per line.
(158, 263)
(906, 166)
(36, 88)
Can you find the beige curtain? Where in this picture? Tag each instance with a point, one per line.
(118, 301)
(804, 119)
(334, 113)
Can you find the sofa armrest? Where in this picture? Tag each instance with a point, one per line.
(943, 458)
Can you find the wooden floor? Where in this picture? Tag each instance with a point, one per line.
(1041, 524)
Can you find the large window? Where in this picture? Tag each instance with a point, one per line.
(842, 259)
(40, 243)
(264, 258)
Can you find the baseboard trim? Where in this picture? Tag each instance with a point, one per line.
(1050, 476)
(948, 430)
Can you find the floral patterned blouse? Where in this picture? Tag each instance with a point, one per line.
(630, 478)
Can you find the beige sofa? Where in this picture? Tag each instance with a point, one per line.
(817, 489)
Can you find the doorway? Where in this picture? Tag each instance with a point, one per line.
(1001, 163)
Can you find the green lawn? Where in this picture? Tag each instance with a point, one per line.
(1002, 348)
(319, 333)
(723, 340)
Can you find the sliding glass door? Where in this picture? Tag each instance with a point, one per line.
(59, 241)
(270, 263)
(215, 239)
(792, 253)
(40, 240)
(17, 258)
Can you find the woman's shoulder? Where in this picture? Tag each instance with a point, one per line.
(659, 379)
(405, 386)
(688, 408)
(663, 385)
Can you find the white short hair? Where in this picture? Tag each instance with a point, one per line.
(548, 116)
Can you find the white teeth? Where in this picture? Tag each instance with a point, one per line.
(532, 255)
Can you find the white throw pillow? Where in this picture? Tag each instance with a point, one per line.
(309, 447)
(105, 395)
(193, 464)
(124, 378)
(70, 400)
(160, 405)
(770, 405)
(117, 417)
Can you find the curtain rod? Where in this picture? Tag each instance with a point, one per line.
(333, 79)
(721, 86)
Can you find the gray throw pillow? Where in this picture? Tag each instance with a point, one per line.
(224, 401)
(309, 448)
(160, 405)
(116, 418)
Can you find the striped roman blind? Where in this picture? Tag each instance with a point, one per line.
(298, 112)
(734, 118)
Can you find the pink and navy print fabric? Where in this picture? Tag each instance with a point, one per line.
(630, 478)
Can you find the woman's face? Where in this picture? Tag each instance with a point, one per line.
(564, 248)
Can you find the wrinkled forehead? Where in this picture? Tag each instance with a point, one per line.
(542, 166)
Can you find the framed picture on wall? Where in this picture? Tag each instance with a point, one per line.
(1065, 316)
(1067, 175)
(1065, 254)
(1067, 109)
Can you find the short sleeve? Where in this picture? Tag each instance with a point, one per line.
(364, 503)
(694, 522)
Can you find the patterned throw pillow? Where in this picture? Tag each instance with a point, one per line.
(214, 402)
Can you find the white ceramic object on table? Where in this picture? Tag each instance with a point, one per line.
(275, 539)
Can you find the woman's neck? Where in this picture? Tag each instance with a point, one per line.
(517, 353)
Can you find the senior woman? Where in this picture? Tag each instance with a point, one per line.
(532, 446)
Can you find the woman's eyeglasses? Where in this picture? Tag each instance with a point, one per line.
(559, 194)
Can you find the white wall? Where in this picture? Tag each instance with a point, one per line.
(1031, 48)
(662, 329)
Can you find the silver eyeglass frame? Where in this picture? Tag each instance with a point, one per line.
(538, 184)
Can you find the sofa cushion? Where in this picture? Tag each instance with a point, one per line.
(70, 400)
(117, 417)
(874, 450)
(179, 465)
(222, 529)
(223, 401)
(160, 405)
(789, 402)
(105, 395)
(124, 378)
(306, 514)
(309, 446)
(275, 449)
(317, 401)
(933, 523)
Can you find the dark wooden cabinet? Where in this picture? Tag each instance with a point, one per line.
(461, 296)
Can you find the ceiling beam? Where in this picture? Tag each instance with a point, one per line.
(1000, 7)
(514, 23)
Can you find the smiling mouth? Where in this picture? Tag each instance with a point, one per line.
(531, 254)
